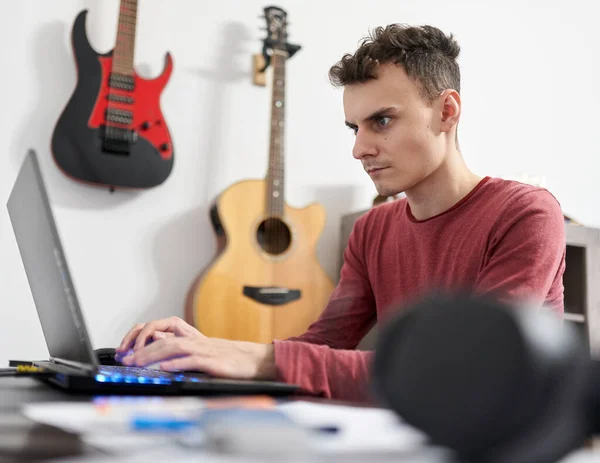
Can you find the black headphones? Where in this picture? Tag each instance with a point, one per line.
(495, 383)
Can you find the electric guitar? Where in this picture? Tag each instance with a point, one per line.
(112, 131)
(266, 282)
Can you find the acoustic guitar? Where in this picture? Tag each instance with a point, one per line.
(112, 131)
(266, 282)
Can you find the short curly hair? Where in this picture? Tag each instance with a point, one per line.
(427, 55)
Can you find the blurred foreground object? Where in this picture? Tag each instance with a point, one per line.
(493, 382)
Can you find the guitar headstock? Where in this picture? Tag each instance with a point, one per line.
(276, 19)
(277, 34)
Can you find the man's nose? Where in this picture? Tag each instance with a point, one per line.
(363, 146)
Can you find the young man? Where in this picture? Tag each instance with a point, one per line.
(453, 231)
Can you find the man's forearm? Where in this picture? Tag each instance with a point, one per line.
(322, 371)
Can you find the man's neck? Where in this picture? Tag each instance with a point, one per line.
(450, 183)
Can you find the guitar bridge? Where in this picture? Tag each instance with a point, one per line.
(117, 140)
(271, 295)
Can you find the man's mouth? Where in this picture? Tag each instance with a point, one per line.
(374, 170)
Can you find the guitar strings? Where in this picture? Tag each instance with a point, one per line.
(276, 235)
(280, 70)
(280, 90)
(122, 55)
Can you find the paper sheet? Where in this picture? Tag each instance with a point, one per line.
(105, 424)
(107, 414)
(361, 428)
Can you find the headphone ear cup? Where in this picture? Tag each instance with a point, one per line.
(477, 377)
(561, 422)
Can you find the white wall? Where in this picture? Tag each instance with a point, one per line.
(530, 96)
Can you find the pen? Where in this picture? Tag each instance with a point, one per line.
(326, 429)
(171, 423)
(160, 423)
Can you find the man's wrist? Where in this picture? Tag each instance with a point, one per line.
(265, 362)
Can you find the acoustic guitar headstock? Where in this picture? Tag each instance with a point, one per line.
(277, 34)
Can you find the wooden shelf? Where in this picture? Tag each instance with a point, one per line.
(574, 317)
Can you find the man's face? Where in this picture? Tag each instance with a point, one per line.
(398, 135)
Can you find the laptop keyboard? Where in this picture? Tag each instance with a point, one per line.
(137, 375)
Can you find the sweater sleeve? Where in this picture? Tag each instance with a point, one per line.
(323, 371)
(351, 311)
(321, 360)
(525, 261)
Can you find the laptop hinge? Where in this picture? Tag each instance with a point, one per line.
(72, 363)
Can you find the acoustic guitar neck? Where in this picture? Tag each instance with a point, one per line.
(276, 170)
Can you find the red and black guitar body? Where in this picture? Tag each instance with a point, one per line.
(112, 131)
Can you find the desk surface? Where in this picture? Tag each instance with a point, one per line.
(24, 440)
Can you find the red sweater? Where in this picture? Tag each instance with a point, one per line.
(504, 238)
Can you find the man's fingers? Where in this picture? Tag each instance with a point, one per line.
(160, 350)
(164, 325)
(130, 338)
(142, 333)
(182, 328)
(161, 335)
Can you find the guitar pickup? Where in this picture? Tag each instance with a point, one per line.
(117, 140)
(271, 295)
(121, 81)
(119, 98)
(119, 116)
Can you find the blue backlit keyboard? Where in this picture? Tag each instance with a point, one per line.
(137, 375)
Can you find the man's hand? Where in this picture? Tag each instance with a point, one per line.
(145, 333)
(176, 345)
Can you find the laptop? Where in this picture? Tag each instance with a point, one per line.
(73, 365)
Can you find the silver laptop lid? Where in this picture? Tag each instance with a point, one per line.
(46, 268)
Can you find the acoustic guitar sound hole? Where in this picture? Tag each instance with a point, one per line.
(273, 236)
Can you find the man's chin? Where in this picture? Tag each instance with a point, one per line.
(385, 190)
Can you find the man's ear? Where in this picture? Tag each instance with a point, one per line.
(451, 107)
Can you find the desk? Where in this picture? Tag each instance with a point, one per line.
(23, 440)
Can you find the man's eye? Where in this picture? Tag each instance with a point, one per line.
(383, 121)
(354, 130)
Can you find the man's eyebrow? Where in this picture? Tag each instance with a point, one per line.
(375, 115)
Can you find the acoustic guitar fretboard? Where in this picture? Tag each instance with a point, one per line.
(275, 174)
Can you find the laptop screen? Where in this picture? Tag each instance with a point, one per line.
(46, 267)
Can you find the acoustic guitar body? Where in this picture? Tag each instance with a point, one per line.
(266, 283)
